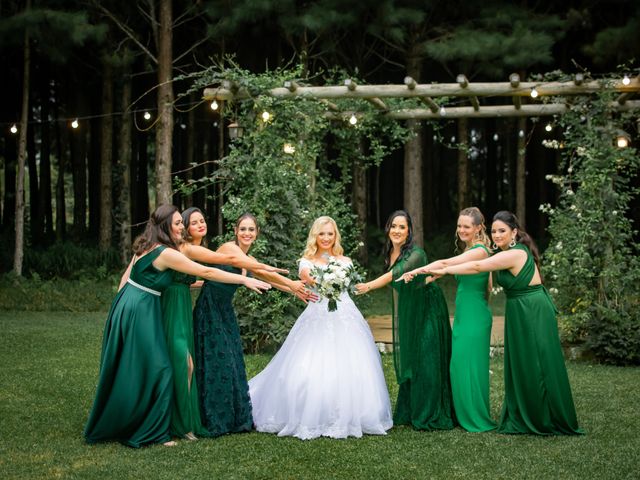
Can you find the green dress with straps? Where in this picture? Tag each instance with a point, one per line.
(538, 396)
(421, 348)
(225, 405)
(177, 320)
(471, 338)
(133, 398)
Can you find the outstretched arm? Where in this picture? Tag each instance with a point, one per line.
(500, 261)
(175, 260)
(379, 282)
(236, 258)
(475, 254)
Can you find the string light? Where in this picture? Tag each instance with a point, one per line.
(548, 127)
(622, 141)
(521, 133)
(290, 149)
(443, 112)
(147, 116)
(495, 137)
(534, 92)
(266, 116)
(214, 105)
(626, 80)
(14, 129)
(75, 124)
(353, 120)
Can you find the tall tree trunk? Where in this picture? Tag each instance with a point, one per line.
(220, 183)
(93, 172)
(141, 194)
(22, 153)
(191, 148)
(9, 202)
(124, 168)
(35, 222)
(46, 207)
(463, 163)
(429, 194)
(79, 170)
(61, 212)
(521, 173)
(413, 163)
(359, 202)
(493, 160)
(106, 157)
(164, 127)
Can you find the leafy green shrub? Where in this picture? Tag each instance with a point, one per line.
(592, 260)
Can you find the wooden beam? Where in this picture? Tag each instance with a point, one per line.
(330, 105)
(488, 111)
(433, 106)
(514, 81)
(503, 89)
(464, 83)
(626, 96)
(379, 104)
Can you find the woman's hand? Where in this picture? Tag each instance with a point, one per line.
(299, 289)
(255, 284)
(409, 276)
(362, 288)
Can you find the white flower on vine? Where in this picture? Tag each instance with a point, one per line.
(579, 215)
(553, 263)
(553, 290)
(570, 169)
(559, 245)
(615, 212)
(581, 151)
(570, 192)
(573, 207)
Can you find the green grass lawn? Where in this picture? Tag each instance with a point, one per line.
(49, 365)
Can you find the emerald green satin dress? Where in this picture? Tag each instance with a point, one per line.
(133, 399)
(538, 396)
(177, 320)
(421, 348)
(471, 339)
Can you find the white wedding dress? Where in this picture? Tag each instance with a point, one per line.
(326, 379)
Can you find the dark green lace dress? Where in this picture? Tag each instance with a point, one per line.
(421, 348)
(537, 392)
(225, 406)
(177, 319)
(133, 398)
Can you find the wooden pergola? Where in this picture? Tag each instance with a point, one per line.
(524, 96)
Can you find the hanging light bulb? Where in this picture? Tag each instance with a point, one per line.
(75, 124)
(548, 127)
(147, 116)
(453, 139)
(622, 141)
(534, 92)
(266, 116)
(13, 129)
(626, 80)
(495, 137)
(521, 133)
(443, 112)
(214, 105)
(353, 119)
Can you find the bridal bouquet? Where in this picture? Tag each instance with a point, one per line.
(334, 278)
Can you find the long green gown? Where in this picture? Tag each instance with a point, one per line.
(471, 339)
(177, 319)
(225, 405)
(537, 392)
(133, 398)
(421, 348)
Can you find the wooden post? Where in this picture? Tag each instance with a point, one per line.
(521, 172)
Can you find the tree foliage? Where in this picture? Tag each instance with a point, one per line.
(592, 260)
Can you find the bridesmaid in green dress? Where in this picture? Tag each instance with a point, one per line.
(178, 324)
(225, 406)
(421, 333)
(471, 335)
(133, 398)
(538, 396)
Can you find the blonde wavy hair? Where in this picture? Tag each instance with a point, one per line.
(312, 240)
(478, 219)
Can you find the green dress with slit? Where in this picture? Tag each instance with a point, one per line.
(538, 396)
(133, 398)
(177, 319)
(421, 348)
(471, 339)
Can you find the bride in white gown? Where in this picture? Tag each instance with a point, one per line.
(326, 379)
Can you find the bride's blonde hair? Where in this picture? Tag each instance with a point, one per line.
(312, 244)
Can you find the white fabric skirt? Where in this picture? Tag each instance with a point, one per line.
(326, 379)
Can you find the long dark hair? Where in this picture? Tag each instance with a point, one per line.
(388, 246)
(523, 237)
(186, 218)
(158, 230)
